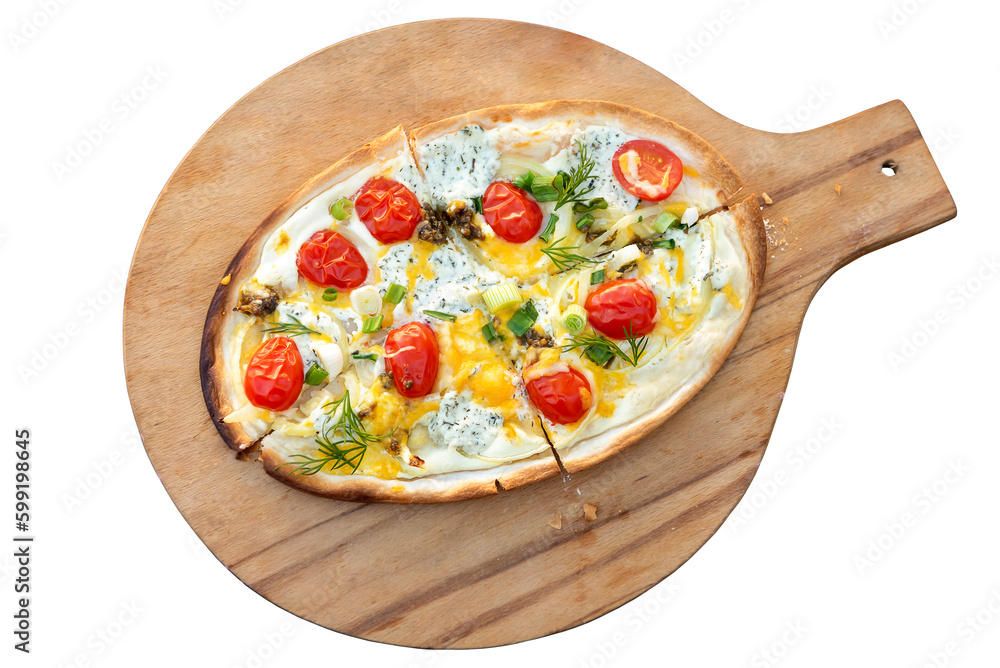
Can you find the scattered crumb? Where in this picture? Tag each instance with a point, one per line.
(699, 455)
(589, 512)
(557, 522)
(837, 188)
(225, 279)
(767, 200)
(777, 234)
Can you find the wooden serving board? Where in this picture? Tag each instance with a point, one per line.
(489, 571)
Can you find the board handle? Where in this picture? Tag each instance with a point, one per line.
(846, 189)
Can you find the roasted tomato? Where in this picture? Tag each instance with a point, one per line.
(622, 307)
(647, 169)
(388, 209)
(563, 396)
(274, 376)
(411, 351)
(329, 259)
(511, 212)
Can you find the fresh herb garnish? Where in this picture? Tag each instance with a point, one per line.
(667, 244)
(523, 319)
(315, 375)
(290, 328)
(365, 356)
(595, 345)
(490, 333)
(441, 315)
(564, 188)
(343, 443)
(564, 258)
(477, 203)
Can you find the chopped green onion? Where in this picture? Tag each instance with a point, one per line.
(316, 374)
(560, 180)
(330, 294)
(441, 315)
(668, 244)
(365, 356)
(394, 293)
(477, 203)
(524, 181)
(490, 333)
(502, 296)
(592, 205)
(666, 221)
(550, 228)
(597, 277)
(372, 324)
(341, 209)
(599, 355)
(585, 221)
(523, 319)
(640, 219)
(543, 188)
(574, 318)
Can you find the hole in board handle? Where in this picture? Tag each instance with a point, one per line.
(890, 167)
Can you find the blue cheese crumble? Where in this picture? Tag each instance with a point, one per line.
(465, 425)
(458, 279)
(459, 165)
(602, 142)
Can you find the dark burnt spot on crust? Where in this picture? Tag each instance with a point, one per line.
(251, 453)
(257, 303)
(415, 461)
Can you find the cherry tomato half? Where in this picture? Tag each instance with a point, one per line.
(274, 376)
(388, 209)
(620, 307)
(647, 169)
(511, 212)
(411, 351)
(563, 397)
(329, 259)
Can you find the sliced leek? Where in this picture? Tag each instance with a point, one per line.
(574, 318)
(500, 297)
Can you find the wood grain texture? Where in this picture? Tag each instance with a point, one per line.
(490, 571)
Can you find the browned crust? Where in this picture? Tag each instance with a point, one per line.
(442, 488)
(586, 453)
(220, 312)
(464, 485)
(710, 164)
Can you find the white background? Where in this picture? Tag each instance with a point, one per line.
(894, 382)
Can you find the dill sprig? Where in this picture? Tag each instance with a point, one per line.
(564, 258)
(576, 178)
(342, 443)
(604, 348)
(290, 328)
(569, 187)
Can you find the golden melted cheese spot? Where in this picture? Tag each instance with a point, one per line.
(511, 260)
(731, 296)
(282, 242)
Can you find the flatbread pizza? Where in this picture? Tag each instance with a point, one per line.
(455, 311)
